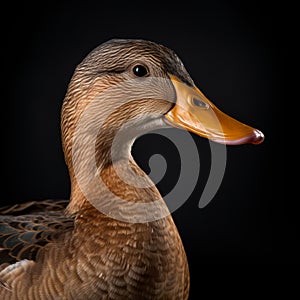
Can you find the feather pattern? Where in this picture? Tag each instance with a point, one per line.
(40, 222)
(58, 249)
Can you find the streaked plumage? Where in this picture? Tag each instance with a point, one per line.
(81, 253)
(70, 250)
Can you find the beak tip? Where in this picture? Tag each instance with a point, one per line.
(258, 137)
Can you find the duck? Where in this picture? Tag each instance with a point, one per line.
(115, 237)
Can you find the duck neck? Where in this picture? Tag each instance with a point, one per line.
(123, 191)
(116, 176)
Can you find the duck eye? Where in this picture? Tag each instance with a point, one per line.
(139, 71)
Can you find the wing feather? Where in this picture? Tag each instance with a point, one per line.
(26, 228)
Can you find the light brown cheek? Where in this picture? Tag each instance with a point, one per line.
(81, 91)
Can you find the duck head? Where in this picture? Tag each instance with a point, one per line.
(145, 86)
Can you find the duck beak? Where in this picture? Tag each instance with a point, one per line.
(195, 113)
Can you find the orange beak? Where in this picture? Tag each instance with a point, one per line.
(195, 113)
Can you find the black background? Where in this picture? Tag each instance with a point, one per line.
(232, 52)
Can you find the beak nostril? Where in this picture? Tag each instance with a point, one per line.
(199, 103)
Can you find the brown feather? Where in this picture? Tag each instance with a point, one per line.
(49, 252)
